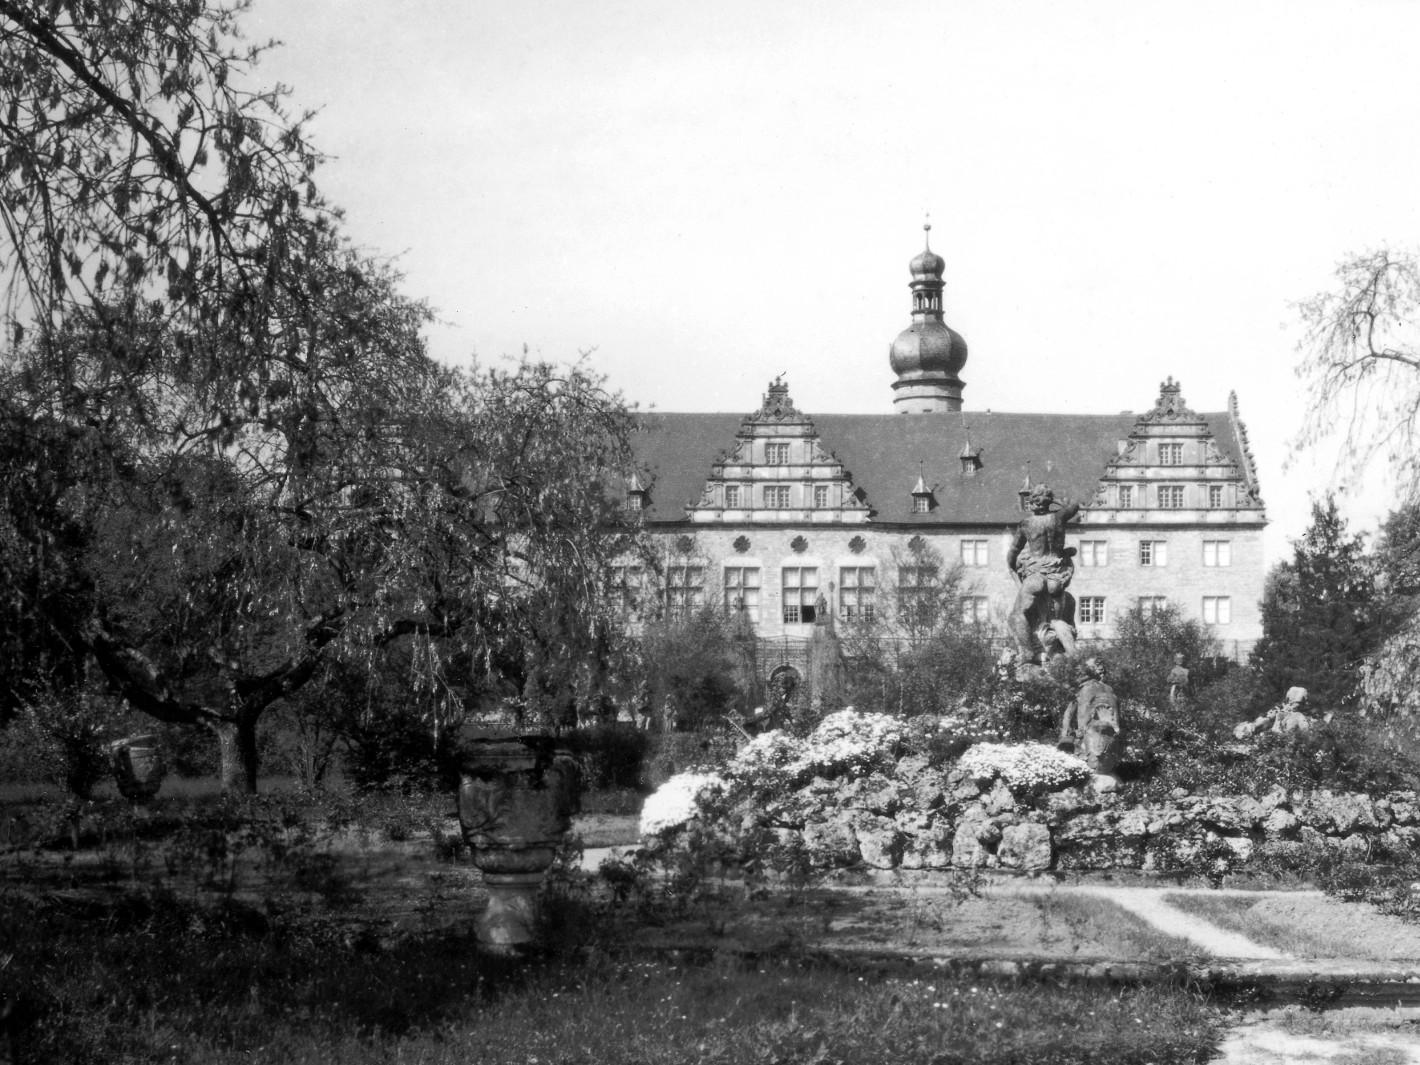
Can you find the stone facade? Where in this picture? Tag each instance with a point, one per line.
(778, 508)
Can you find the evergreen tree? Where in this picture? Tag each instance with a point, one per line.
(1320, 614)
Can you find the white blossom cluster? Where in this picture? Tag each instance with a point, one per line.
(677, 801)
(850, 742)
(846, 743)
(1027, 765)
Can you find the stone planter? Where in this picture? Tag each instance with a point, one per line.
(138, 766)
(517, 795)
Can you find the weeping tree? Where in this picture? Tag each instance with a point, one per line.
(229, 461)
(1360, 362)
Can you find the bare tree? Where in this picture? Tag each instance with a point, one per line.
(1361, 366)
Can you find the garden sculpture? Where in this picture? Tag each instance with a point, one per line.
(1178, 682)
(1042, 567)
(1091, 722)
(1285, 717)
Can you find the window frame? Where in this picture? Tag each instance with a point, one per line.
(1221, 554)
(1093, 554)
(687, 595)
(979, 550)
(1171, 497)
(739, 590)
(777, 453)
(857, 600)
(1092, 609)
(1154, 554)
(1221, 609)
(803, 613)
(776, 496)
(1171, 453)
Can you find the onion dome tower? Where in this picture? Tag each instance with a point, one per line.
(928, 355)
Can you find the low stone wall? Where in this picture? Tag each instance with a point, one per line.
(921, 817)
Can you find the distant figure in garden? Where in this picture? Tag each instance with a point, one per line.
(1042, 566)
(1283, 718)
(1091, 722)
(1178, 683)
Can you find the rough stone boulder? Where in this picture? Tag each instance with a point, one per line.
(1026, 847)
(879, 840)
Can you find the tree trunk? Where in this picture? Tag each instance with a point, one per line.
(236, 741)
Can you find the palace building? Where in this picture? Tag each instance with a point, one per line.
(786, 513)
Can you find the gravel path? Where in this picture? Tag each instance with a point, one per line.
(1148, 904)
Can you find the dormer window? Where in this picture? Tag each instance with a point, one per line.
(921, 496)
(635, 500)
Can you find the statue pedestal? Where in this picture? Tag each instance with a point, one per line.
(516, 799)
(138, 767)
(509, 924)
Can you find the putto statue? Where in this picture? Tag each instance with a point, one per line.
(1042, 619)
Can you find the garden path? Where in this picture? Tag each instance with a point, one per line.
(1148, 903)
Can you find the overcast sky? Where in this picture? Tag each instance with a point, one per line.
(704, 195)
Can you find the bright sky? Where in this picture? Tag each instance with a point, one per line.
(704, 195)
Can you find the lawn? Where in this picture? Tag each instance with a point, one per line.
(284, 930)
(1307, 925)
(150, 979)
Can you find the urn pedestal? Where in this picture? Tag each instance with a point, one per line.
(138, 767)
(516, 799)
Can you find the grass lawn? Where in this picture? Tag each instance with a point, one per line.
(153, 979)
(1308, 925)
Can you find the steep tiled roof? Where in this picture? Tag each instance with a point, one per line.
(882, 453)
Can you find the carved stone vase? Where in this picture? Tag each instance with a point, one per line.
(517, 795)
(138, 766)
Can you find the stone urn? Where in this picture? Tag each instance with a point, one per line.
(138, 766)
(517, 795)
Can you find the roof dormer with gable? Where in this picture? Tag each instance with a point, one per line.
(777, 470)
(1172, 468)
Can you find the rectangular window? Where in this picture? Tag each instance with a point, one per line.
(916, 596)
(974, 552)
(1170, 497)
(685, 589)
(857, 589)
(1170, 454)
(776, 496)
(1126, 496)
(1093, 553)
(1092, 610)
(975, 609)
(821, 496)
(1217, 609)
(921, 504)
(776, 454)
(1215, 496)
(742, 588)
(732, 495)
(800, 593)
(634, 501)
(625, 584)
(1153, 553)
(1217, 552)
(1152, 604)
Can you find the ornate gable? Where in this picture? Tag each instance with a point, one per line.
(778, 470)
(1171, 468)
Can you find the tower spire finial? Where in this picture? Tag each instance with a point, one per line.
(927, 230)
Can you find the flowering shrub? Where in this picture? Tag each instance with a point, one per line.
(850, 743)
(677, 801)
(845, 744)
(1025, 765)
